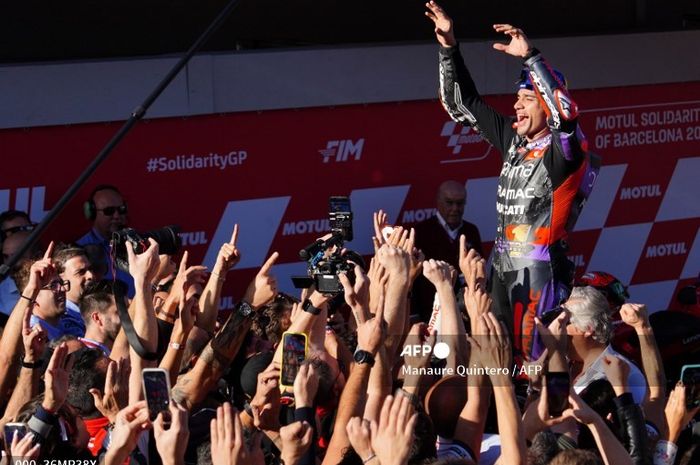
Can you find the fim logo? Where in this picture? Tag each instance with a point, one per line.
(458, 135)
(341, 150)
(441, 350)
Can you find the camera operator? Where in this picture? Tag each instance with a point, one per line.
(107, 210)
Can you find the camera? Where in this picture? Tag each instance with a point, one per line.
(168, 239)
(325, 258)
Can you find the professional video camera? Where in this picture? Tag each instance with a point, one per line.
(325, 258)
(168, 239)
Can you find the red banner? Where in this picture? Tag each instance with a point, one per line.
(272, 172)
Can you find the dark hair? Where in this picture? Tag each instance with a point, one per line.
(98, 297)
(543, 449)
(9, 215)
(268, 321)
(52, 446)
(576, 457)
(85, 375)
(65, 252)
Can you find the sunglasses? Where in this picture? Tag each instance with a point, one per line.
(57, 286)
(109, 211)
(15, 229)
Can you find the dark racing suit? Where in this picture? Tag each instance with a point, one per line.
(541, 190)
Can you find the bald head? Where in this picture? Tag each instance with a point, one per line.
(451, 199)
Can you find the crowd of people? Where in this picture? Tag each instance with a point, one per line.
(429, 355)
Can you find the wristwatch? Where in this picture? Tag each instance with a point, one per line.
(244, 309)
(307, 306)
(362, 356)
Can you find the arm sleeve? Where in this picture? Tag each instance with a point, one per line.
(463, 103)
(568, 142)
(633, 429)
(307, 414)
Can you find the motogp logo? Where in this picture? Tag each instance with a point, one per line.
(461, 137)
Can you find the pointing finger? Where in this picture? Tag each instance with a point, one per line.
(234, 236)
(268, 264)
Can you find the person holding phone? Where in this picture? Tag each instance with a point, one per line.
(547, 174)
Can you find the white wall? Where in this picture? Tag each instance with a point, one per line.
(90, 91)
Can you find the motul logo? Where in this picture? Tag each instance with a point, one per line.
(640, 192)
(341, 150)
(664, 250)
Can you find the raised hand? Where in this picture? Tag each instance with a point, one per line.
(266, 402)
(264, 287)
(381, 226)
(393, 435)
(677, 413)
(394, 260)
(34, 338)
(360, 438)
(357, 296)
(56, 379)
(228, 445)
(41, 273)
(229, 255)
(171, 440)
(188, 275)
(437, 272)
(22, 450)
(443, 24)
(115, 395)
(296, 439)
(635, 315)
(518, 46)
(144, 266)
(554, 336)
(187, 311)
(306, 386)
(472, 265)
(492, 345)
(130, 423)
(580, 410)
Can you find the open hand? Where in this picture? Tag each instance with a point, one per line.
(443, 24)
(518, 46)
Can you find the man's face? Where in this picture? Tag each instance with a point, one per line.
(12, 244)
(531, 120)
(107, 224)
(451, 206)
(10, 227)
(111, 322)
(77, 271)
(52, 299)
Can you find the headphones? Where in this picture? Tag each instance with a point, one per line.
(89, 208)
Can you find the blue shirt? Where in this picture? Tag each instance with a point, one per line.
(93, 237)
(9, 295)
(53, 332)
(72, 320)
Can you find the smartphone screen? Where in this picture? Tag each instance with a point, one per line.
(156, 389)
(558, 386)
(14, 428)
(339, 204)
(293, 355)
(690, 376)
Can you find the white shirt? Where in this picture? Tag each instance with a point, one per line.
(453, 233)
(635, 380)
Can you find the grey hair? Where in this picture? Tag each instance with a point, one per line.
(590, 312)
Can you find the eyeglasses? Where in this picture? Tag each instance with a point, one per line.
(57, 286)
(109, 211)
(5, 233)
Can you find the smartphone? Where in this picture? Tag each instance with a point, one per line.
(294, 348)
(551, 315)
(558, 387)
(690, 377)
(14, 428)
(156, 389)
(339, 204)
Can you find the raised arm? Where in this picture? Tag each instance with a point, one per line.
(636, 315)
(193, 386)
(458, 93)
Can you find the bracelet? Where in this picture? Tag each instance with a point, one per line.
(31, 301)
(30, 365)
(373, 456)
(219, 278)
(176, 345)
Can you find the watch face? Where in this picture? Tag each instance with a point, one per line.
(245, 308)
(307, 306)
(361, 356)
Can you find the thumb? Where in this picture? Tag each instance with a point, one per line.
(97, 396)
(500, 47)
